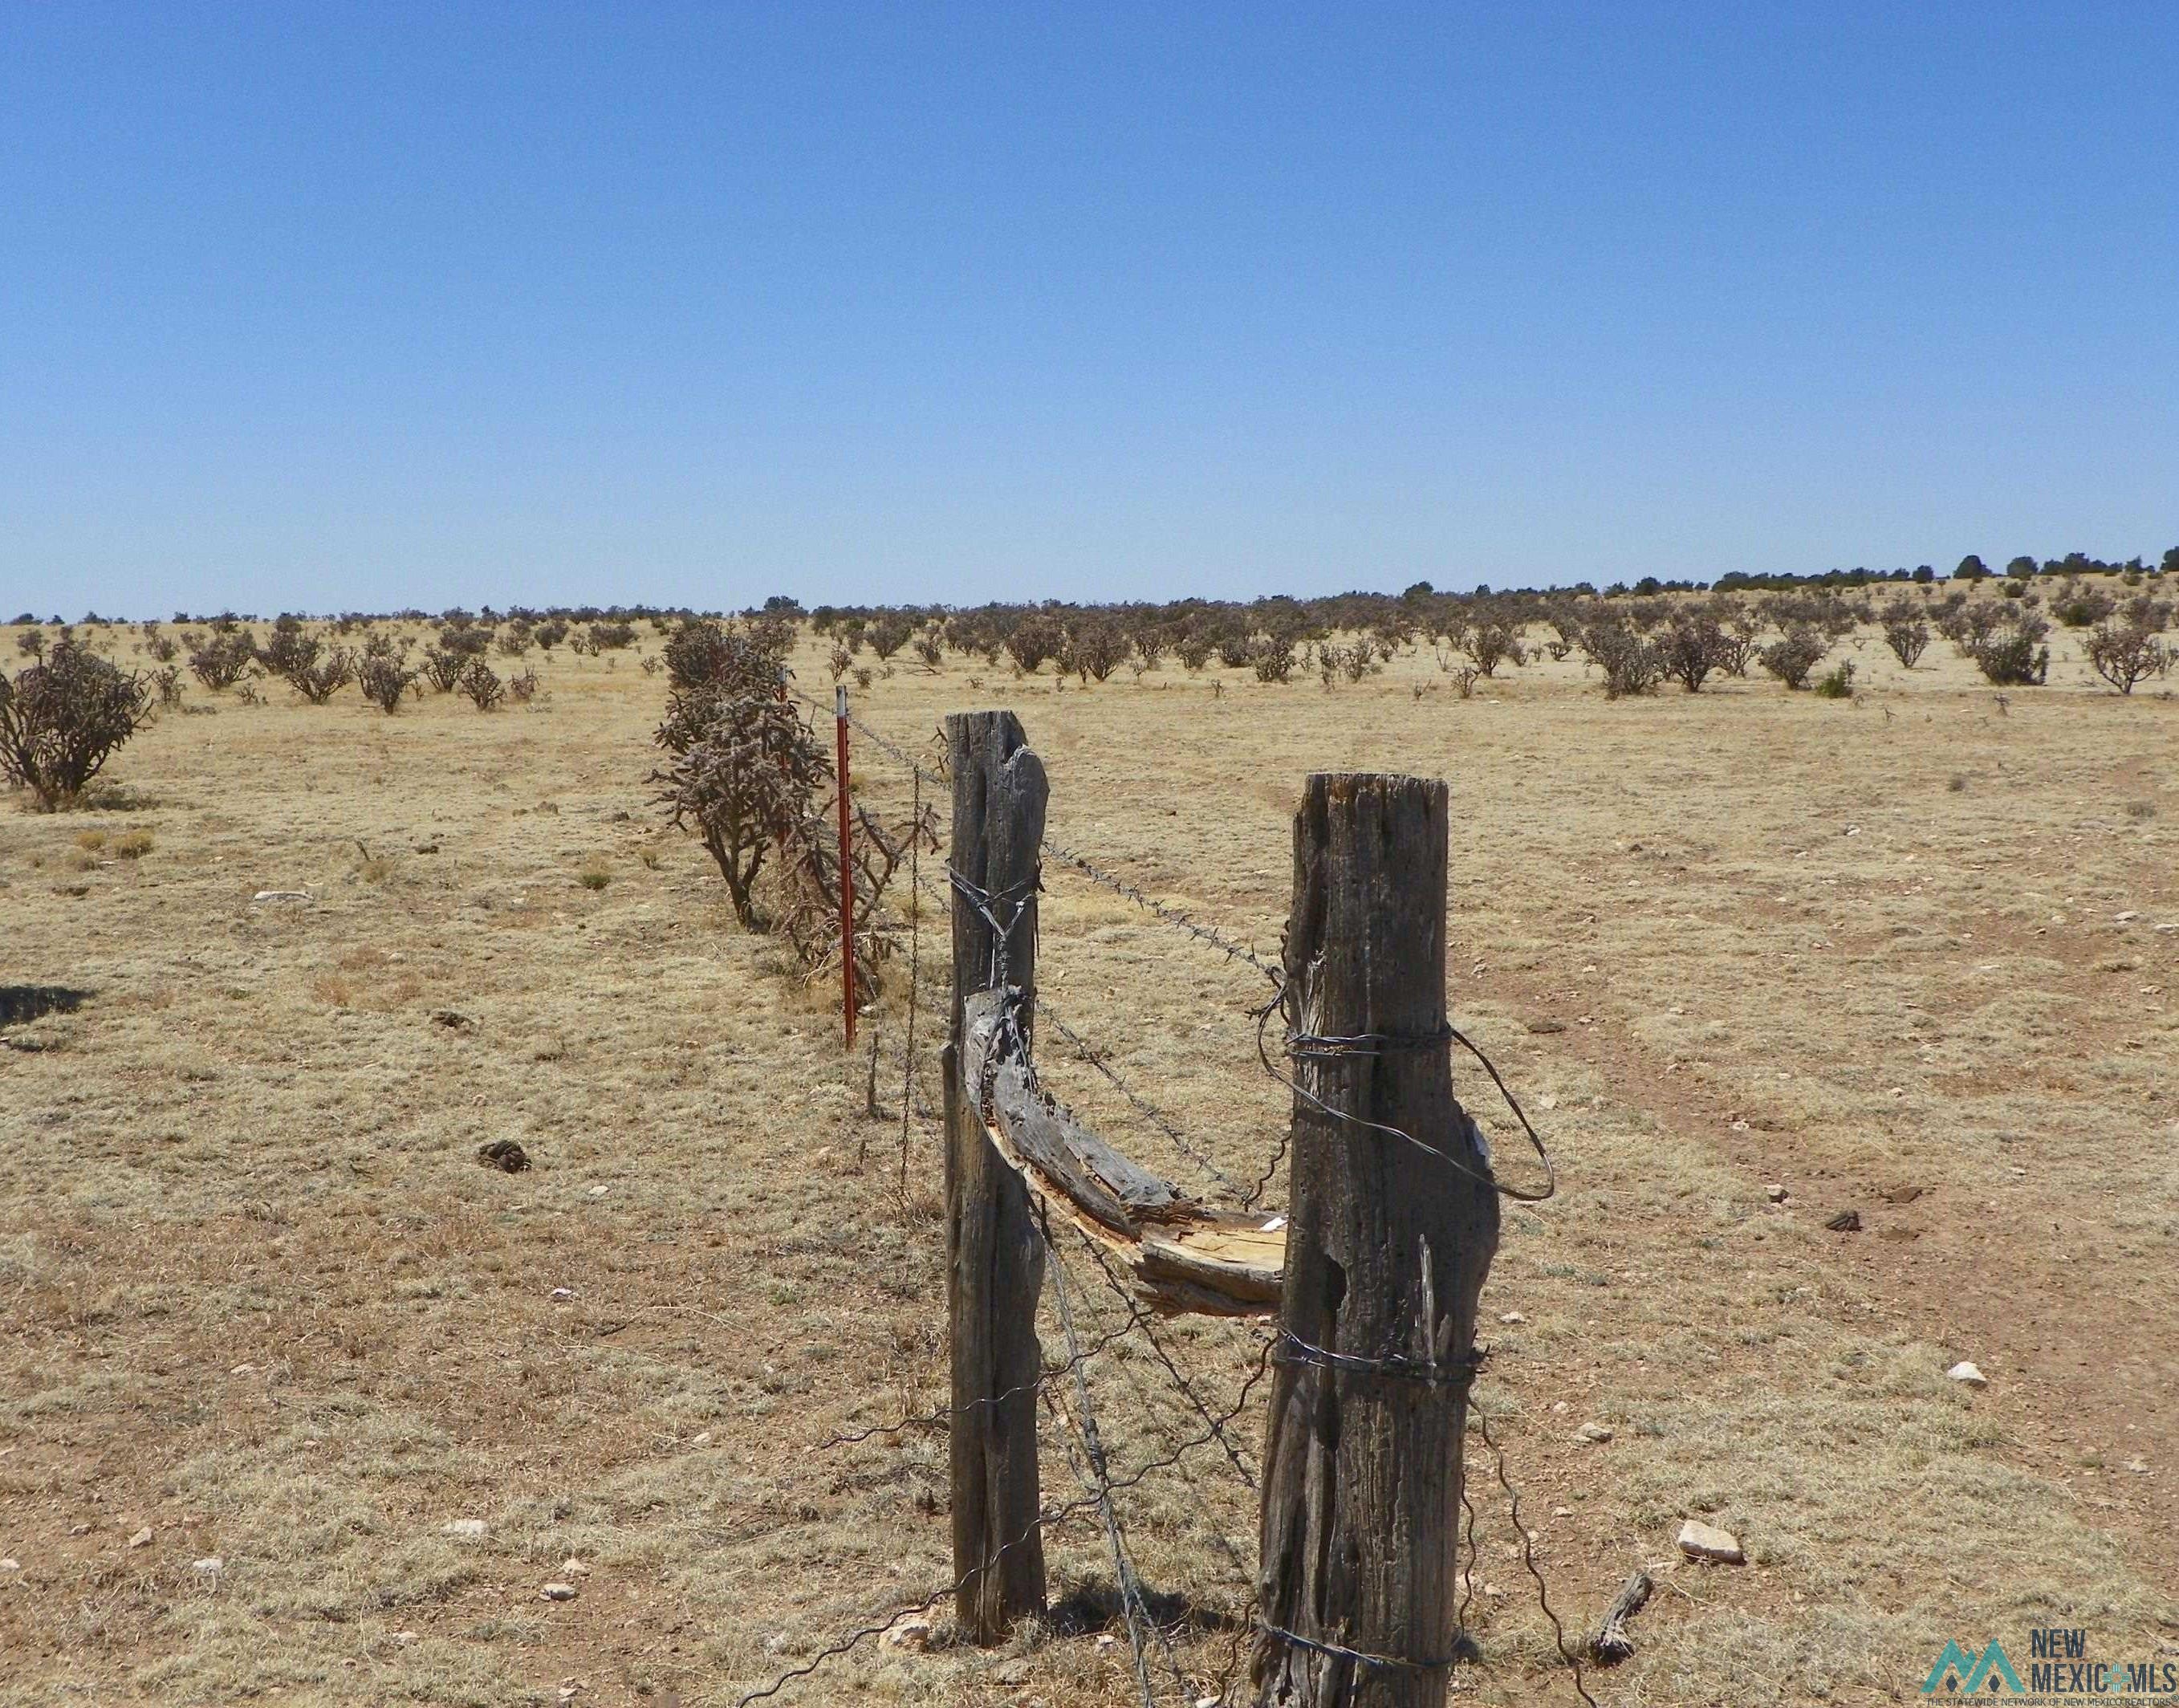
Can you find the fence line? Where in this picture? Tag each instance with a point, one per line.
(1082, 1440)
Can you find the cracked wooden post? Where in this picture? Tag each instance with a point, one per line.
(995, 1256)
(1387, 1251)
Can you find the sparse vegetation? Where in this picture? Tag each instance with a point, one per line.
(62, 718)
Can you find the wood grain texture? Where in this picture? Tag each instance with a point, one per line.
(995, 1254)
(1183, 1256)
(1387, 1248)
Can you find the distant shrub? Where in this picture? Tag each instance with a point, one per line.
(2126, 654)
(2079, 607)
(442, 667)
(1690, 647)
(1837, 682)
(1631, 664)
(593, 874)
(551, 633)
(523, 687)
(929, 648)
(2009, 655)
(1271, 656)
(1034, 638)
(31, 642)
(133, 844)
(1194, 649)
(1491, 644)
(1094, 647)
(482, 684)
(220, 661)
(167, 679)
(611, 637)
(889, 634)
(1791, 659)
(383, 681)
(1906, 631)
(62, 718)
(318, 680)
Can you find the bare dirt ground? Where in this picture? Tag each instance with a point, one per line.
(257, 1299)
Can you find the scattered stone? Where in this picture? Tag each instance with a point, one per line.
(427, 848)
(1774, 1192)
(558, 1592)
(1846, 1221)
(405, 1638)
(1901, 1195)
(573, 1567)
(14, 1565)
(1013, 1673)
(453, 1020)
(141, 1538)
(2139, 1467)
(2127, 918)
(1511, 1316)
(1561, 1511)
(1594, 1432)
(469, 1529)
(562, 1294)
(1700, 1542)
(570, 1689)
(599, 1191)
(212, 1565)
(908, 1631)
(1548, 1101)
(1545, 1028)
(242, 1369)
(1965, 1372)
(504, 1155)
(264, 896)
(78, 1529)
(1740, 1126)
(702, 1438)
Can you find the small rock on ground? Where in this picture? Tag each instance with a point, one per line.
(909, 1631)
(140, 1538)
(558, 1592)
(462, 1527)
(1594, 1432)
(1965, 1372)
(1700, 1542)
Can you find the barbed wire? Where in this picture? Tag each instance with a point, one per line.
(1164, 911)
(1143, 1105)
(1045, 1519)
(947, 1413)
(1131, 1593)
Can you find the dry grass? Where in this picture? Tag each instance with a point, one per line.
(258, 1296)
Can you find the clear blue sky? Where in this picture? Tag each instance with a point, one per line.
(325, 307)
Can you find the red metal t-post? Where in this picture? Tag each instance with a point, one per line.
(847, 872)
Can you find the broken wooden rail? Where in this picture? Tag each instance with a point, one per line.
(1181, 1254)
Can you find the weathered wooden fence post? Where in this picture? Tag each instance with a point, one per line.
(995, 1256)
(1387, 1247)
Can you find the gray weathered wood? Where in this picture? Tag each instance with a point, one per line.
(995, 1255)
(1387, 1251)
(1611, 1644)
(1182, 1255)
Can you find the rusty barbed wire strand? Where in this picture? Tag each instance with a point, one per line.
(1164, 911)
(1142, 1104)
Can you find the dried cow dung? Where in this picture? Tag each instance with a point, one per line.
(504, 1155)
